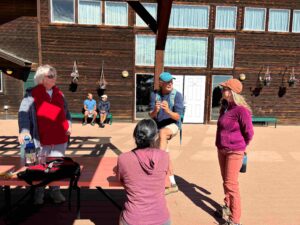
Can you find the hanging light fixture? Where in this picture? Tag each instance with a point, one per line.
(9, 72)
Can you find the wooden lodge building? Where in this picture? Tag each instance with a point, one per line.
(207, 42)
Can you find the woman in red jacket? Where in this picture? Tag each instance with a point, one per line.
(45, 118)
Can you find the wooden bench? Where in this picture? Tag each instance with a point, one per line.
(109, 118)
(265, 120)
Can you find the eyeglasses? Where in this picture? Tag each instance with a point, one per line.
(167, 82)
(50, 76)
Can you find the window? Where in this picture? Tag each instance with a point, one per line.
(254, 19)
(187, 16)
(279, 20)
(296, 21)
(1, 82)
(144, 50)
(217, 95)
(144, 87)
(116, 13)
(224, 52)
(89, 12)
(226, 18)
(62, 11)
(152, 9)
(186, 51)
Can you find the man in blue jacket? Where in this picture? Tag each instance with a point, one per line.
(166, 108)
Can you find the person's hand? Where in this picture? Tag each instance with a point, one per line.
(157, 106)
(115, 170)
(165, 106)
(69, 131)
(22, 136)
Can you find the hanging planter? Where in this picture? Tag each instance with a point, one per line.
(75, 77)
(102, 81)
(292, 79)
(267, 78)
(75, 73)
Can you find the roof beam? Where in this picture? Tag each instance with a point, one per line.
(163, 17)
(144, 14)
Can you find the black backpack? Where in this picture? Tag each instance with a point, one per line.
(53, 170)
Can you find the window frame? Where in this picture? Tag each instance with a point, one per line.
(193, 6)
(137, 16)
(203, 37)
(235, 18)
(233, 55)
(135, 93)
(136, 51)
(295, 10)
(63, 22)
(289, 20)
(115, 2)
(264, 22)
(212, 89)
(100, 12)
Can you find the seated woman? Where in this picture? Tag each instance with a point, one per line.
(103, 108)
(143, 172)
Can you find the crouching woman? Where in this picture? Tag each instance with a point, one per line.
(143, 172)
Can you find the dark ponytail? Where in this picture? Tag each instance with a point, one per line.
(145, 133)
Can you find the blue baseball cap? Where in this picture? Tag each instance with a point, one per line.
(166, 77)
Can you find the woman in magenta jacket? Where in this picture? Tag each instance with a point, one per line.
(234, 132)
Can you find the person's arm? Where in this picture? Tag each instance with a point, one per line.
(166, 108)
(154, 106)
(84, 106)
(178, 107)
(24, 117)
(119, 171)
(68, 116)
(95, 106)
(246, 126)
(108, 107)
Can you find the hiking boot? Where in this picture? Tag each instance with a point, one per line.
(172, 189)
(39, 196)
(84, 123)
(57, 196)
(223, 212)
(229, 222)
(92, 123)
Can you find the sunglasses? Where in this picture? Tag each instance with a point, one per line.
(51, 76)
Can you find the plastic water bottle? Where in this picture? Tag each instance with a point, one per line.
(22, 150)
(244, 165)
(30, 154)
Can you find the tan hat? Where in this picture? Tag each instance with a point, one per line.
(103, 96)
(234, 84)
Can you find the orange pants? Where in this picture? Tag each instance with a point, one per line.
(230, 165)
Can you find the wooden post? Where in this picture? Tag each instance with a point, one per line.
(159, 67)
